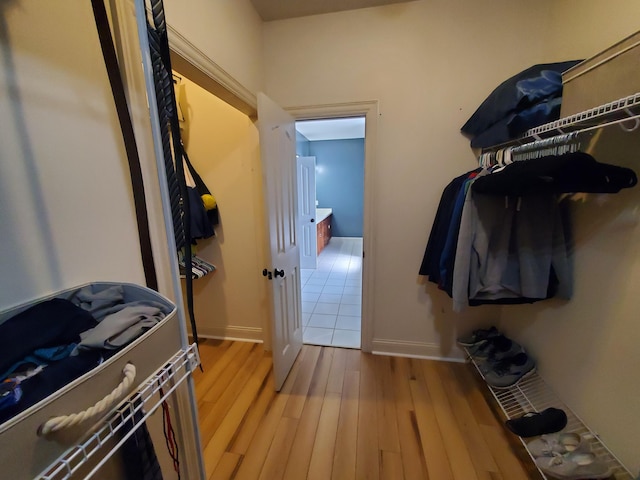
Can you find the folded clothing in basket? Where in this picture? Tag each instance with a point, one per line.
(66, 338)
(47, 324)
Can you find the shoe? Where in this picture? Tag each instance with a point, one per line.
(501, 354)
(533, 424)
(511, 371)
(556, 443)
(482, 350)
(573, 466)
(478, 336)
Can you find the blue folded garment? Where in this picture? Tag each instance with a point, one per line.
(518, 93)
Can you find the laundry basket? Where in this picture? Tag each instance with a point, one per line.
(19, 436)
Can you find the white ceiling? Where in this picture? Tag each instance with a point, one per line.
(281, 9)
(332, 129)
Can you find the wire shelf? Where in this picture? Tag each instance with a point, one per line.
(532, 394)
(165, 381)
(616, 112)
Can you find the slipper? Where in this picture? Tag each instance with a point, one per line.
(533, 424)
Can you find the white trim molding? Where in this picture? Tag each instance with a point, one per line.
(198, 67)
(424, 350)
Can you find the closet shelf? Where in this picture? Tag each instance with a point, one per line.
(145, 400)
(618, 111)
(532, 394)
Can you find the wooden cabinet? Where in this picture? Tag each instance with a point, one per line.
(323, 233)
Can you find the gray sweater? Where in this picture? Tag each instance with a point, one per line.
(506, 248)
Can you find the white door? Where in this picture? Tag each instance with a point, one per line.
(307, 211)
(278, 152)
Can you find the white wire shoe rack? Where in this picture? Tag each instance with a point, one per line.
(532, 394)
(98, 446)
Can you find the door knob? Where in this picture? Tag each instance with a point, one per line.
(278, 273)
(267, 273)
(313, 220)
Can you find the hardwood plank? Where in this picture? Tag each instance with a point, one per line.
(251, 421)
(413, 461)
(240, 365)
(209, 351)
(259, 446)
(227, 398)
(433, 449)
(459, 456)
(391, 466)
(481, 409)
(344, 457)
(321, 463)
(338, 367)
(458, 395)
(221, 438)
(217, 368)
(298, 396)
(300, 455)
(385, 398)
(509, 465)
(275, 464)
(367, 457)
(226, 466)
(401, 374)
(354, 357)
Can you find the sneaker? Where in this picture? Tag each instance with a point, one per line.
(557, 443)
(501, 354)
(510, 372)
(492, 347)
(478, 336)
(573, 466)
(484, 348)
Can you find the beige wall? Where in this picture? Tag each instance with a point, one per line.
(222, 144)
(429, 64)
(587, 348)
(66, 209)
(226, 31)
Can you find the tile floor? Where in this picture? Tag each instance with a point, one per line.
(332, 295)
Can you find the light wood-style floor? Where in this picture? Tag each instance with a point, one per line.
(343, 414)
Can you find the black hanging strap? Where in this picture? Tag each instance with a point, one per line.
(126, 126)
(170, 131)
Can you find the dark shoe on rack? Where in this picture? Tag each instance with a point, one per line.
(533, 424)
(500, 355)
(573, 466)
(483, 350)
(510, 371)
(478, 336)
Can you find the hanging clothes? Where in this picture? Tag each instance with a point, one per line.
(568, 173)
(430, 266)
(507, 248)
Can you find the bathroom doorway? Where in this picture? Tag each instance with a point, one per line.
(331, 163)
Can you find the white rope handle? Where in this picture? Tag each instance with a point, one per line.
(66, 421)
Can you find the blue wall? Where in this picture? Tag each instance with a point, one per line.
(302, 145)
(340, 183)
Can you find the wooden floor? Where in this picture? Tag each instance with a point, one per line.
(343, 414)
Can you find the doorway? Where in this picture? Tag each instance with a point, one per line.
(331, 162)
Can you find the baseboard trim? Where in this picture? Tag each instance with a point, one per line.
(239, 334)
(423, 350)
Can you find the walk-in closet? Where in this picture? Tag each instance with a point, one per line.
(500, 257)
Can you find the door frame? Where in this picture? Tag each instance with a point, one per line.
(209, 75)
(370, 111)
